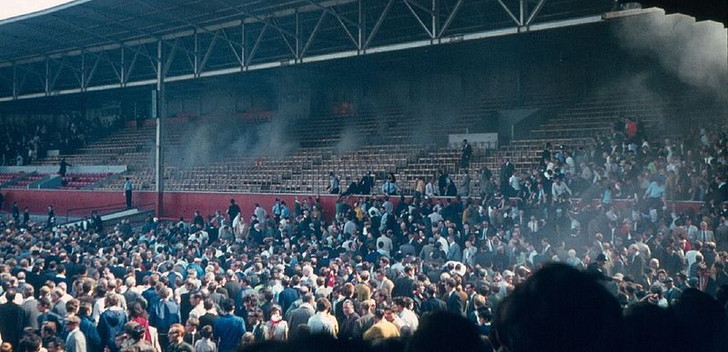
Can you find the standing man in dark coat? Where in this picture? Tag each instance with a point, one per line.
(96, 222)
(63, 167)
(433, 303)
(11, 319)
(507, 169)
(454, 301)
(300, 315)
(289, 293)
(233, 211)
(467, 153)
(442, 182)
(366, 183)
(405, 285)
(51, 217)
(635, 263)
(349, 327)
(16, 212)
(30, 308)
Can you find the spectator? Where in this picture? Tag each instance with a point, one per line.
(206, 344)
(228, 328)
(323, 322)
(111, 323)
(176, 339)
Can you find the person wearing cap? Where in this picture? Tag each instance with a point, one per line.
(136, 341)
(596, 268)
(672, 293)
(75, 342)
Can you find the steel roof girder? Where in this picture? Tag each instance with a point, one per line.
(332, 11)
(510, 13)
(341, 19)
(256, 45)
(421, 7)
(328, 56)
(450, 18)
(256, 17)
(378, 24)
(313, 34)
(171, 55)
(142, 33)
(208, 52)
(283, 36)
(97, 36)
(430, 33)
(535, 12)
(187, 22)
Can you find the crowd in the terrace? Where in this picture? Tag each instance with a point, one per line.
(22, 142)
(529, 269)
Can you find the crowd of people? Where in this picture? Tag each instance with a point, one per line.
(23, 142)
(621, 164)
(511, 269)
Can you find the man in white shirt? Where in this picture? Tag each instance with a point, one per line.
(515, 182)
(196, 300)
(469, 253)
(692, 230)
(559, 189)
(387, 242)
(692, 253)
(430, 189)
(408, 317)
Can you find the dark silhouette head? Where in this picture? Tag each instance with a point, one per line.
(559, 309)
(443, 331)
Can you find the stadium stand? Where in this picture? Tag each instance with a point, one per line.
(598, 221)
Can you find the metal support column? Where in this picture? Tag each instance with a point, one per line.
(15, 81)
(161, 112)
(435, 18)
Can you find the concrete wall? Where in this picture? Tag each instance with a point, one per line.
(176, 204)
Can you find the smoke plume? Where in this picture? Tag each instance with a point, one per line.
(695, 52)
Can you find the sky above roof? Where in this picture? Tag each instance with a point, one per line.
(14, 8)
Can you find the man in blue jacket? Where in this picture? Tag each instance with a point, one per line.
(164, 314)
(111, 323)
(228, 328)
(88, 328)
